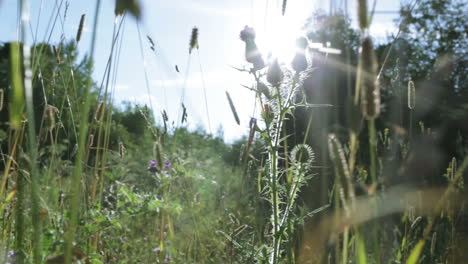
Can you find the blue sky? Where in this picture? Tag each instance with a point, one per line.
(169, 24)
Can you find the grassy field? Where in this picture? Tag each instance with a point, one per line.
(358, 153)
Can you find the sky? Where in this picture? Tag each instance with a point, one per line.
(207, 70)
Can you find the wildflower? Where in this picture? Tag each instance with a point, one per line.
(153, 166)
(167, 165)
(156, 250)
(252, 54)
(167, 259)
(299, 62)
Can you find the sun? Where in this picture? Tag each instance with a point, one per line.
(278, 37)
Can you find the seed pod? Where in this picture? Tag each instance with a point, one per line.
(411, 95)
(193, 40)
(370, 91)
(275, 74)
(80, 28)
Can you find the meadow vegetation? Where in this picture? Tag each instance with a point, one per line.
(358, 154)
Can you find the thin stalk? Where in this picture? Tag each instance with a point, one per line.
(32, 151)
(75, 191)
(372, 150)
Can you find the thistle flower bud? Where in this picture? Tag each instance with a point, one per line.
(299, 62)
(275, 74)
(252, 54)
(411, 95)
(370, 91)
(263, 89)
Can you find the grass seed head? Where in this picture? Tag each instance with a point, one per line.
(2, 96)
(56, 54)
(193, 40)
(433, 243)
(370, 91)
(362, 14)
(411, 95)
(90, 140)
(99, 111)
(233, 108)
(80, 28)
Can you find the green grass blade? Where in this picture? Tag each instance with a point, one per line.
(416, 252)
(17, 104)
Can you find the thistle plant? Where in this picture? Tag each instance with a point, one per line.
(288, 167)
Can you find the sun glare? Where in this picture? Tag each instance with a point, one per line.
(278, 38)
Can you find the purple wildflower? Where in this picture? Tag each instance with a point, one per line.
(167, 165)
(156, 250)
(153, 166)
(167, 259)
